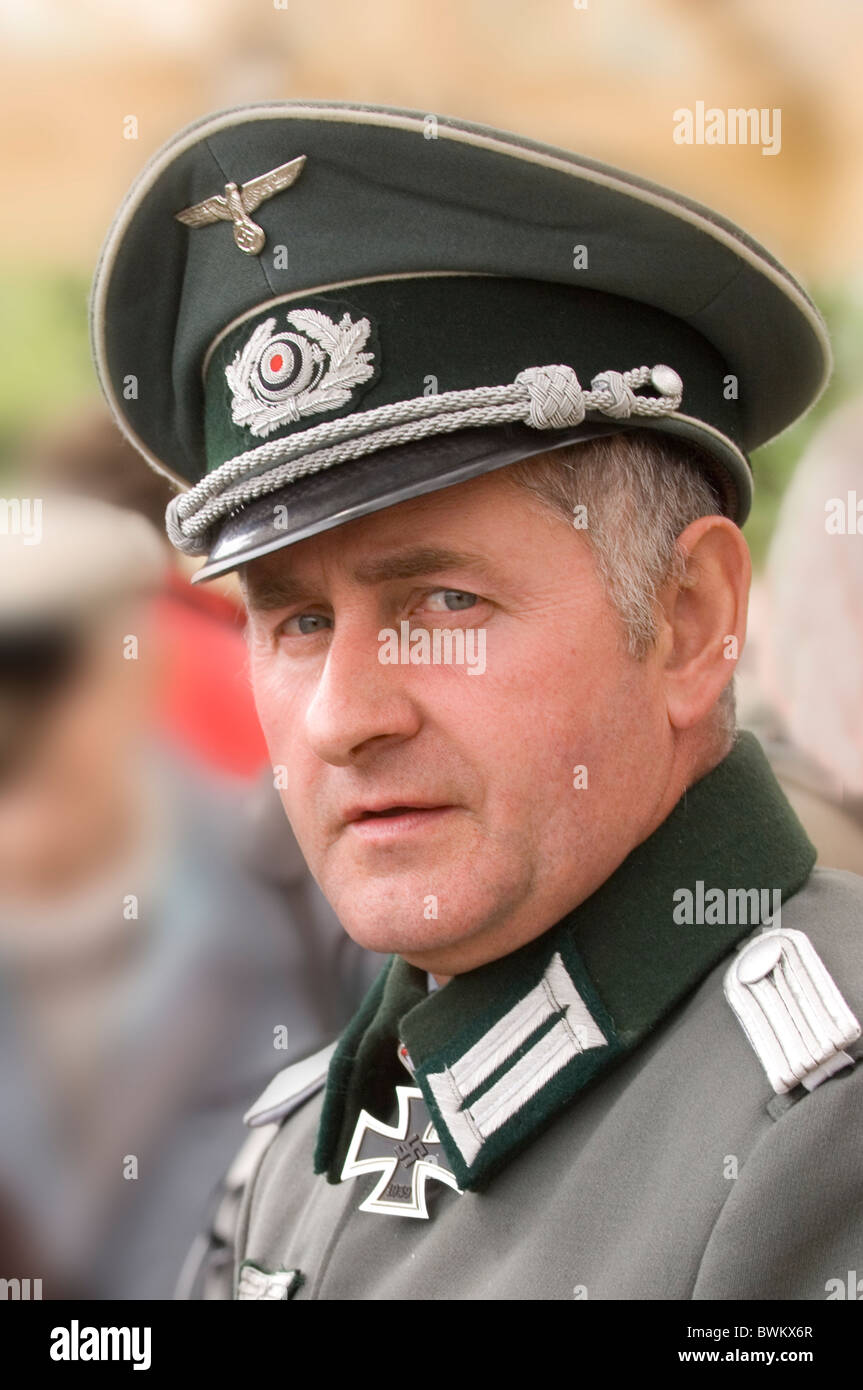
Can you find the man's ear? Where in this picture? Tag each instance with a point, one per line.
(704, 611)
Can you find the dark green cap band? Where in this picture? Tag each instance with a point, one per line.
(452, 333)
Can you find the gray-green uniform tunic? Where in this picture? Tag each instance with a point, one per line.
(611, 1127)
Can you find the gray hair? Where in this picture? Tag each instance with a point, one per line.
(636, 492)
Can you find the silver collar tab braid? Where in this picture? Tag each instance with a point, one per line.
(548, 398)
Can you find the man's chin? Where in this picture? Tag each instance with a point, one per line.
(402, 939)
(387, 929)
(423, 916)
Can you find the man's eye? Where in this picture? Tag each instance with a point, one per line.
(455, 600)
(302, 625)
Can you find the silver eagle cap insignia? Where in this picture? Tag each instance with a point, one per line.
(406, 1155)
(238, 201)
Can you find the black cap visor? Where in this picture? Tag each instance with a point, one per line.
(348, 491)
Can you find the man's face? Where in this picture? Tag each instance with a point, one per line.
(515, 838)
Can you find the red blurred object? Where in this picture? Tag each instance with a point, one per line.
(205, 700)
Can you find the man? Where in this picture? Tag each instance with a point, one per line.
(494, 615)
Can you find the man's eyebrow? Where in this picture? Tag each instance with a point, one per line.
(281, 591)
(266, 595)
(412, 564)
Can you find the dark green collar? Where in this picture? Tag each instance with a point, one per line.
(500, 1050)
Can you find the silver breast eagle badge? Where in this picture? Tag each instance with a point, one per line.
(258, 1285)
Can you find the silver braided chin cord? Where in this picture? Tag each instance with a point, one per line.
(548, 398)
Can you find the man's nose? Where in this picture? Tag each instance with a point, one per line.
(359, 701)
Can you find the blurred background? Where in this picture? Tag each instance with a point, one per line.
(161, 754)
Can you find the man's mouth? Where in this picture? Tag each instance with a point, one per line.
(394, 819)
(384, 809)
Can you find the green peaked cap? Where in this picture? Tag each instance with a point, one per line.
(307, 311)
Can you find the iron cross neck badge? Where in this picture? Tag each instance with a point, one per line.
(406, 1155)
(235, 204)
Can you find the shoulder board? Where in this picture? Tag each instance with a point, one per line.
(790, 1009)
(290, 1088)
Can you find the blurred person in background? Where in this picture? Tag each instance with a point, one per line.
(203, 700)
(151, 976)
(808, 646)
